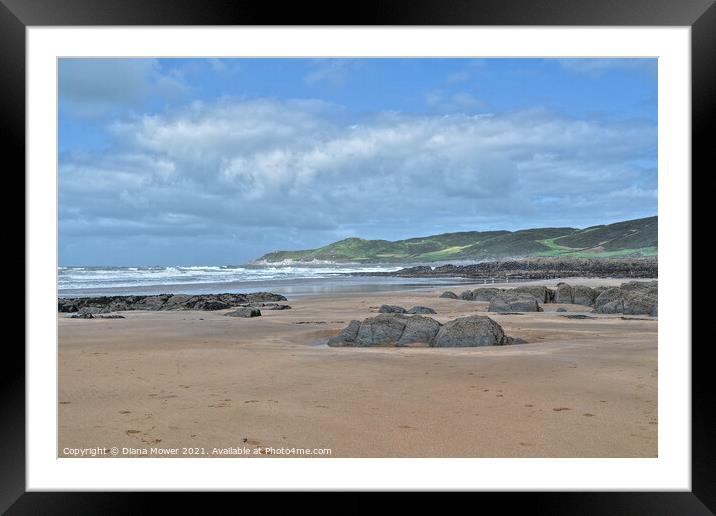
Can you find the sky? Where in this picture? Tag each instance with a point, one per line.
(219, 161)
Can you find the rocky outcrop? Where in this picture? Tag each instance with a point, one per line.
(387, 330)
(421, 310)
(631, 298)
(404, 330)
(391, 309)
(449, 295)
(106, 304)
(514, 302)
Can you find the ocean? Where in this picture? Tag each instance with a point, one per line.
(213, 279)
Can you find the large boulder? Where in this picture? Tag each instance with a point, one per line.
(638, 302)
(563, 294)
(388, 330)
(391, 309)
(466, 295)
(485, 293)
(583, 295)
(449, 295)
(512, 302)
(541, 293)
(631, 298)
(610, 301)
(474, 330)
(421, 310)
(480, 294)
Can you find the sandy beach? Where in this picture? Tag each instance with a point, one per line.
(199, 380)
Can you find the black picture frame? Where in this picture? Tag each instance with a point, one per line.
(700, 15)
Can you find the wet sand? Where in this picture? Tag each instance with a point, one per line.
(199, 380)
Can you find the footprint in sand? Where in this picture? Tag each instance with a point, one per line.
(132, 432)
(529, 405)
(251, 401)
(587, 414)
(407, 427)
(125, 412)
(64, 403)
(560, 409)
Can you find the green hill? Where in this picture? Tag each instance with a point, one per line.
(632, 238)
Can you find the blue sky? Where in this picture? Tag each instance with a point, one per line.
(217, 161)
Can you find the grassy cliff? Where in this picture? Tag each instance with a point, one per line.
(632, 238)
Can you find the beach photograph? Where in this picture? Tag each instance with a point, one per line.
(357, 258)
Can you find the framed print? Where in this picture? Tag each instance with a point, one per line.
(414, 250)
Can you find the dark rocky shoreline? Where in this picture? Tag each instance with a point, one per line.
(532, 269)
(106, 304)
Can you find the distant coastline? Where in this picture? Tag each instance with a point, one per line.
(636, 238)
